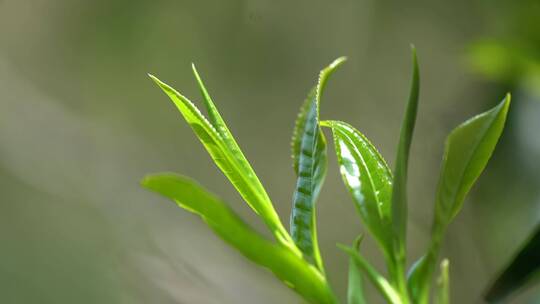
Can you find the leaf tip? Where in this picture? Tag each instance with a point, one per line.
(358, 241)
(508, 97)
(195, 72)
(338, 61)
(154, 78)
(445, 264)
(146, 181)
(505, 103)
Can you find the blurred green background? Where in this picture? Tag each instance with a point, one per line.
(81, 123)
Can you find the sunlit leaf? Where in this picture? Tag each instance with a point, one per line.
(367, 177)
(310, 170)
(226, 154)
(467, 151)
(289, 267)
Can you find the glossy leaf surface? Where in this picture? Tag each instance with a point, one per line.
(467, 151)
(310, 170)
(289, 267)
(221, 146)
(367, 177)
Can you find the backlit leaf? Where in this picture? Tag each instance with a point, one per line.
(286, 265)
(221, 146)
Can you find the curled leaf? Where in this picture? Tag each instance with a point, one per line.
(310, 162)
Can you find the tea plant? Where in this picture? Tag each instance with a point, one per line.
(380, 197)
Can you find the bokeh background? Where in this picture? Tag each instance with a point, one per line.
(81, 123)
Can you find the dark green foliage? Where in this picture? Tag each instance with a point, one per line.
(523, 268)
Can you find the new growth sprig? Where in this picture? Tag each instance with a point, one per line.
(379, 194)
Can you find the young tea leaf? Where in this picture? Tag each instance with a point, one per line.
(367, 177)
(384, 287)
(289, 267)
(355, 292)
(310, 170)
(299, 128)
(467, 151)
(221, 146)
(311, 173)
(399, 193)
(443, 284)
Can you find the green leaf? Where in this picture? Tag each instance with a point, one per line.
(311, 174)
(355, 292)
(522, 270)
(311, 170)
(384, 287)
(299, 128)
(467, 151)
(286, 265)
(417, 278)
(443, 284)
(368, 179)
(221, 146)
(314, 94)
(399, 193)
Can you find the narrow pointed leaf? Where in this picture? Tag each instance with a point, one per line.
(522, 270)
(367, 177)
(314, 94)
(399, 194)
(443, 284)
(467, 151)
(310, 169)
(299, 128)
(221, 146)
(355, 291)
(384, 287)
(289, 267)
